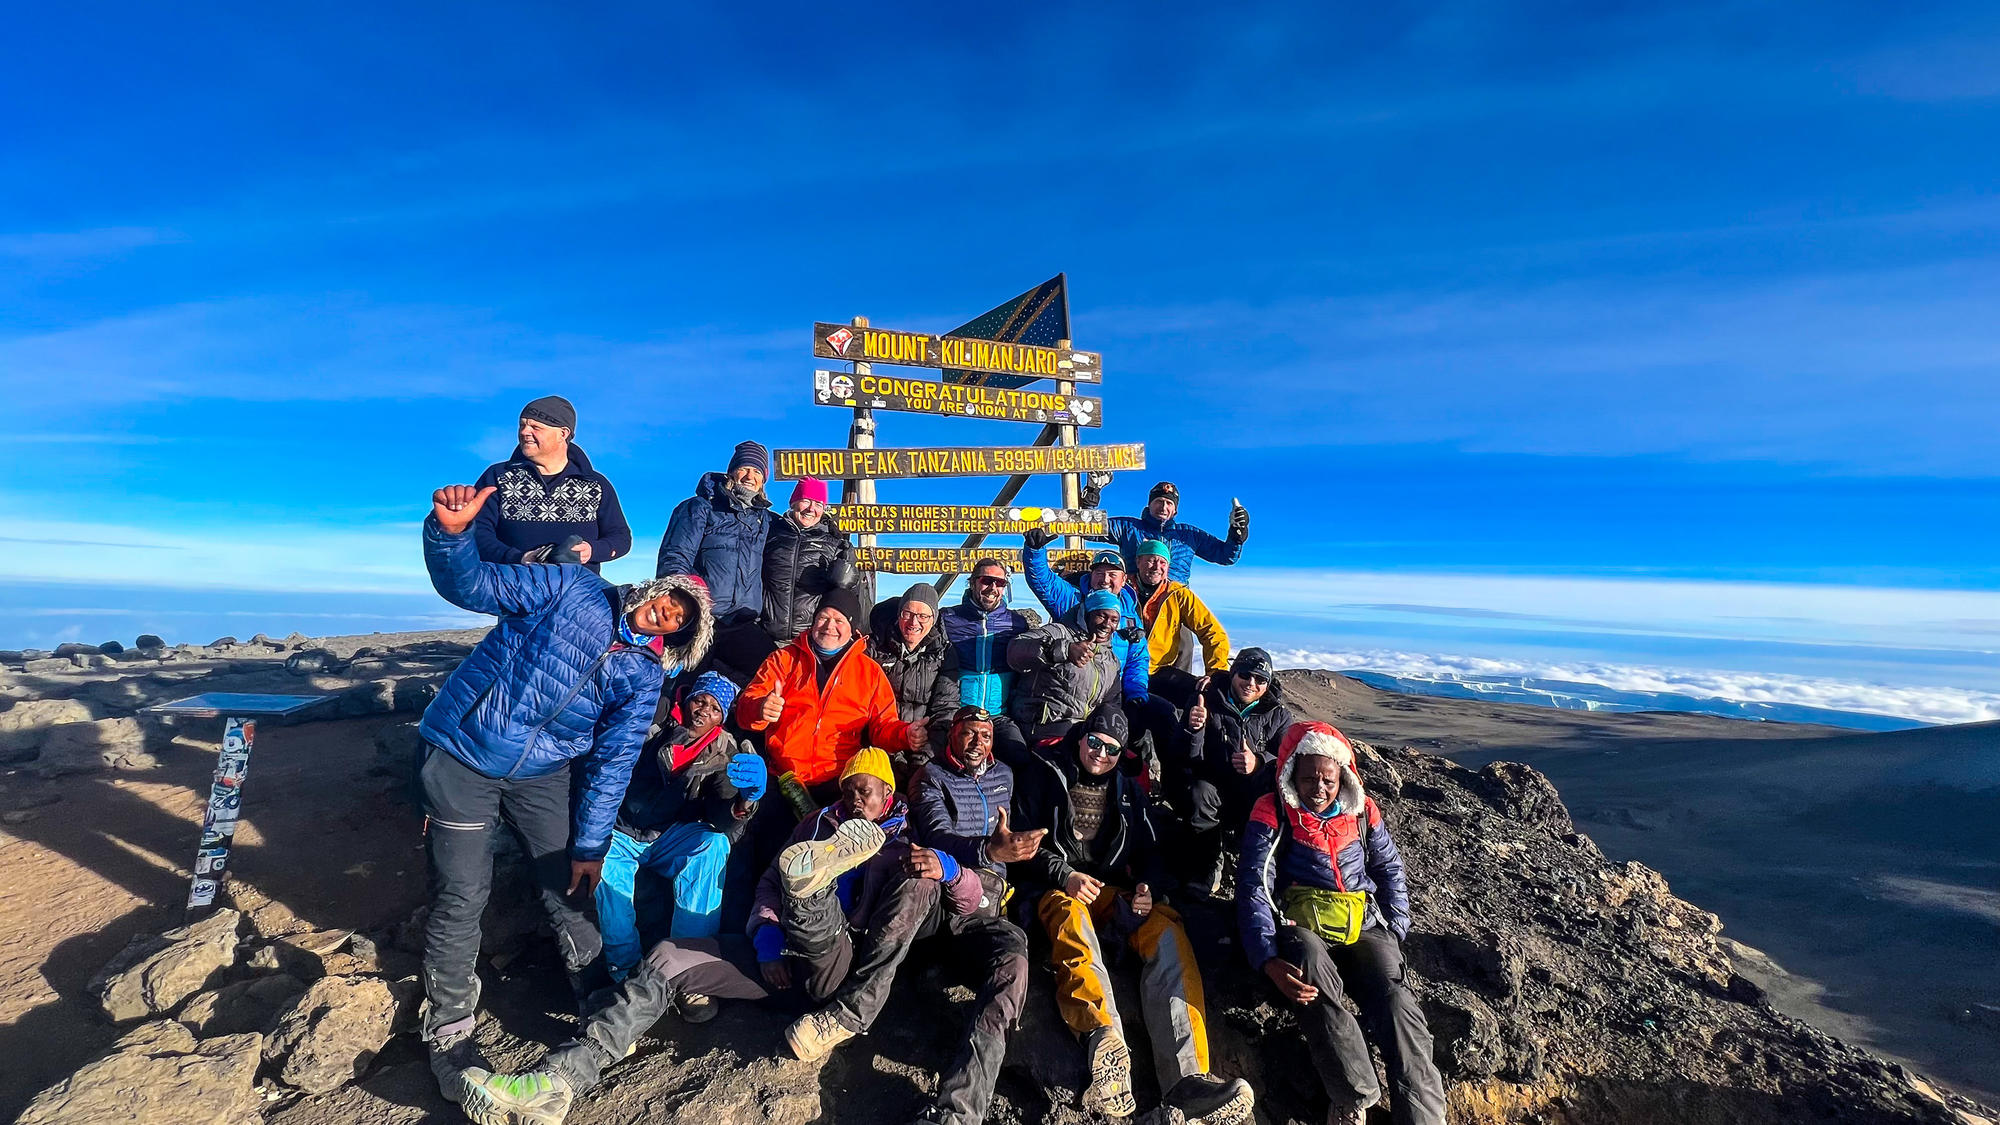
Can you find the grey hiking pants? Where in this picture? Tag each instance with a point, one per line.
(1371, 971)
(670, 970)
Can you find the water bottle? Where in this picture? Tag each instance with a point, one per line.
(795, 793)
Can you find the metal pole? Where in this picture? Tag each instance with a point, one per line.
(1072, 484)
(1006, 496)
(225, 804)
(861, 435)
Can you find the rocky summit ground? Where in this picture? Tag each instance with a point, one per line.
(1561, 986)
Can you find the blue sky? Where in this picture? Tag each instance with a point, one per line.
(1701, 292)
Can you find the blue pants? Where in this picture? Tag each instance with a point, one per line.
(691, 857)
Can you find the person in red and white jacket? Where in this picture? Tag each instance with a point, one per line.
(1319, 829)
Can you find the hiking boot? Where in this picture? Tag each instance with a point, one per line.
(696, 1008)
(451, 1057)
(539, 1097)
(1110, 1064)
(810, 866)
(1348, 1113)
(812, 1035)
(1204, 1099)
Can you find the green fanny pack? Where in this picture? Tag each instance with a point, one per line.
(1336, 916)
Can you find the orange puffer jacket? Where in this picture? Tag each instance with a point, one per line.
(820, 730)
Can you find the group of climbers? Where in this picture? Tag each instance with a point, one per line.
(771, 795)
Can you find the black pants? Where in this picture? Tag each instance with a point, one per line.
(740, 646)
(1371, 971)
(856, 976)
(463, 808)
(702, 966)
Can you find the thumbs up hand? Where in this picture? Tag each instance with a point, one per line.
(773, 706)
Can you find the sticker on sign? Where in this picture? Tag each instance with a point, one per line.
(928, 396)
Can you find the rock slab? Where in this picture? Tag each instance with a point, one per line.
(332, 1033)
(155, 972)
(160, 1075)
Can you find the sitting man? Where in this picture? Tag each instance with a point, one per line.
(569, 676)
(1323, 906)
(922, 666)
(979, 628)
(553, 507)
(1066, 672)
(958, 804)
(837, 912)
(820, 698)
(1095, 873)
(1230, 739)
(692, 791)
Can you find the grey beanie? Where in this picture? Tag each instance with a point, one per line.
(923, 593)
(552, 410)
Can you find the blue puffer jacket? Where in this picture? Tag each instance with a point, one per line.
(981, 640)
(1064, 601)
(551, 682)
(1285, 845)
(1186, 541)
(953, 812)
(722, 543)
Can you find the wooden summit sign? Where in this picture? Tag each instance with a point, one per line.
(964, 519)
(962, 353)
(955, 461)
(953, 560)
(928, 396)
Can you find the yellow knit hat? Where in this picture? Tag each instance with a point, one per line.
(871, 761)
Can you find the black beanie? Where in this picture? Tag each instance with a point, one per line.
(923, 593)
(1252, 662)
(552, 410)
(848, 601)
(1108, 719)
(1164, 488)
(752, 454)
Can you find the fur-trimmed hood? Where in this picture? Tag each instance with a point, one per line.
(686, 648)
(1319, 739)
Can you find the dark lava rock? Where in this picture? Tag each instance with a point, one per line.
(111, 648)
(311, 661)
(72, 648)
(150, 640)
(222, 642)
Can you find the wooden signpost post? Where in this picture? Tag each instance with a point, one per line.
(982, 379)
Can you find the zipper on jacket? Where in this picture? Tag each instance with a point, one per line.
(528, 747)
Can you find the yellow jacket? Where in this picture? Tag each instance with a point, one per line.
(1172, 606)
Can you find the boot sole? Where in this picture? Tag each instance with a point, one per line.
(810, 866)
(1113, 1098)
(482, 1108)
(1232, 1112)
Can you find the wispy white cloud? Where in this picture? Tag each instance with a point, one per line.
(1923, 704)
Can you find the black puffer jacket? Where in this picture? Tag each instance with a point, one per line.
(800, 565)
(1048, 688)
(925, 679)
(1263, 723)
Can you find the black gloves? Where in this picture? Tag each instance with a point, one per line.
(1239, 524)
(1093, 489)
(1037, 537)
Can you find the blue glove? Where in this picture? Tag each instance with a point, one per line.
(748, 774)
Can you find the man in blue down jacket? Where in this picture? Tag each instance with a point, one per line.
(570, 674)
(1318, 837)
(718, 535)
(979, 628)
(1186, 541)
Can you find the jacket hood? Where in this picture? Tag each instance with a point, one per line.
(710, 489)
(1319, 739)
(579, 461)
(686, 648)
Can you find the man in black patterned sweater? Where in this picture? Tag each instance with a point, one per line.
(553, 507)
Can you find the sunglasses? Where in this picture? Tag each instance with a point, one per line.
(1253, 677)
(971, 714)
(988, 580)
(1102, 743)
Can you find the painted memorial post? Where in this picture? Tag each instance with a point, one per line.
(232, 767)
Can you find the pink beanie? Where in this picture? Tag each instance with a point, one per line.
(809, 488)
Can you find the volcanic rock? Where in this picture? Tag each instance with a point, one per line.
(332, 1032)
(158, 1074)
(155, 972)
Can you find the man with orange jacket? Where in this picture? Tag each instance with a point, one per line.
(821, 698)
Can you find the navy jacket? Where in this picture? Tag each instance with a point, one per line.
(953, 812)
(984, 677)
(551, 683)
(534, 511)
(722, 543)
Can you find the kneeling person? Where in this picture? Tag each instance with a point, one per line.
(1094, 874)
(692, 792)
(1323, 906)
